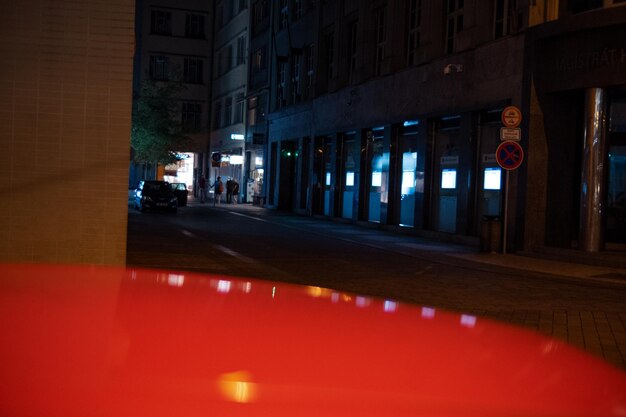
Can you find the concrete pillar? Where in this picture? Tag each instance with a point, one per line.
(594, 170)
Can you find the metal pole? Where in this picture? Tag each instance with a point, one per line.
(506, 212)
(594, 171)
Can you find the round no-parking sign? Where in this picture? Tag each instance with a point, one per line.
(509, 155)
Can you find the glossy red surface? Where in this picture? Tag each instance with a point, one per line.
(88, 341)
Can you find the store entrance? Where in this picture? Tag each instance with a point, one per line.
(321, 180)
(616, 196)
(288, 175)
(615, 226)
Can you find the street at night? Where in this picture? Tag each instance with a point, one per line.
(568, 301)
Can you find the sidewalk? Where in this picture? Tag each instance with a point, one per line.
(527, 263)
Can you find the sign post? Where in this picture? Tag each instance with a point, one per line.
(509, 156)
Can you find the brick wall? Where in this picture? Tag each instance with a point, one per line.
(65, 115)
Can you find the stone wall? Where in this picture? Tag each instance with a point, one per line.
(65, 117)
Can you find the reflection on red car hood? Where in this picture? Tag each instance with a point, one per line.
(91, 341)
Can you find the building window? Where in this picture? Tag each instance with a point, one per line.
(329, 45)
(239, 108)
(229, 58)
(309, 70)
(295, 78)
(194, 26)
(217, 115)
(283, 21)
(454, 23)
(228, 111)
(241, 50)
(192, 116)
(219, 16)
(297, 9)
(352, 47)
(258, 60)
(253, 103)
(159, 67)
(161, 22)
(230, 9)
(192, 71)
(501, 19)
(381, 39)
(415, 23)
(259, 14)
(577, 6)
(281, 85)
(220, 63)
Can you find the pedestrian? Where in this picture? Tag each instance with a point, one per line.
(235, 191)
(202, 186)
(229, 190)
(218, 186)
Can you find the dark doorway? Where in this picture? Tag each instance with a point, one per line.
(288, 176)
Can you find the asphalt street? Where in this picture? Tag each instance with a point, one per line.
(583, 305)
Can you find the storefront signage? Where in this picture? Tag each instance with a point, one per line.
(489, 158)
(508, 133)
(599, 58)
(449, 160)
(237, 136)
(584, 58)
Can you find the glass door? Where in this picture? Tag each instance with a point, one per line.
(350, 172)
(616, 199)
(376, 160)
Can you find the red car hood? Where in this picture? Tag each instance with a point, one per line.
(94, 341)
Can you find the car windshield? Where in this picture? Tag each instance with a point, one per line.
(156, 186)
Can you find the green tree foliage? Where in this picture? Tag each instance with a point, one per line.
(157, 132)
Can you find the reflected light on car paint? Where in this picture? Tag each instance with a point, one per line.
(549, 348)
(273, 292)
(468, 321)
(390, 306)
(428, 313)
(317, 292)
(176, 280)
(362, 301)
(238, 387)
(247, 287)
(223, 286)
(334, 297)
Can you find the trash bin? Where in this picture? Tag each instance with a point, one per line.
(490, 234)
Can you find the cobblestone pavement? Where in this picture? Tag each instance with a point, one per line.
(598, 327)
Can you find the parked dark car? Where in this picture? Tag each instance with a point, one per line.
(159, 195)
(180, 190)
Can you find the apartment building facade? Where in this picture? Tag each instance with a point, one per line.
(174, 42)
(229, 90)
(391, 113)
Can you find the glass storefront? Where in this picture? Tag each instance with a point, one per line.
(445, 173)
(411, 175)
(350, 173)
(376, 160)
